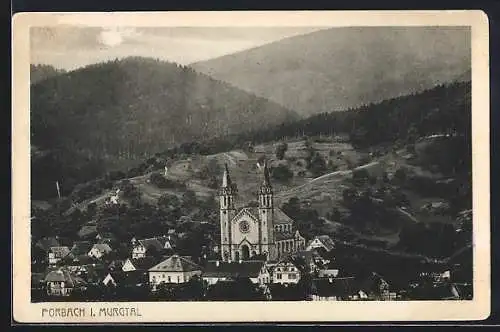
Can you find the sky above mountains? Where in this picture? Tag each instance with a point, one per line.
(71, 47)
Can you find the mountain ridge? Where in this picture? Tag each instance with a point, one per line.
(340, 68)
(135, 107)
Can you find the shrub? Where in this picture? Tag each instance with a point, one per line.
(280, 150)
(317, 165)
(281, 173)
(360, 176)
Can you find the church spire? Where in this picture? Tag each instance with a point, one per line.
(266, 181)
(226, 179)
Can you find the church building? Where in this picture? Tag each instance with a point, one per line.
(263, 230)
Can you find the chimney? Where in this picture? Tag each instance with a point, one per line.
(217, 263)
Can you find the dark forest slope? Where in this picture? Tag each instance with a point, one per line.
(133, 108)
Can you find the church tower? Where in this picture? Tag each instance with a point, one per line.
(266, 214)
(226, 200)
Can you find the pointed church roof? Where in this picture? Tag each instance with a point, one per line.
(266, 181)
(226, 179)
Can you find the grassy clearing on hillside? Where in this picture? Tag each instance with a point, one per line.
(322, 193)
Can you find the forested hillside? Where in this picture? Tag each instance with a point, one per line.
(404, 185)
(337, 68)
(445, 109)
(41, 72)
(130, 109)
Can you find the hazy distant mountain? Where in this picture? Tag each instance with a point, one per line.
(134, 108)
(337, 68)
(41, 72)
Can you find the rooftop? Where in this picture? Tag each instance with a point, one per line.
(175, 263)
(60, 252)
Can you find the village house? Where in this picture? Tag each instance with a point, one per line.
(139, 264)
(175, 269)
(328, 273)
(98, 250)
(169, 242)
(256, 271)
(312, 259)
(285, 272)
(120, 278)
(322, 241)
(141, 247)
(56, 254)
(61, 282)
(76, 264)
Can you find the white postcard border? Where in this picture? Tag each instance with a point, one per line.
(157, 312)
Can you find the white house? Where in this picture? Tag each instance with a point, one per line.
(139, 264)
(61, 282)
(285, 272)
(175, 269)
(99, 249)
(55, 254)
(328, 273)
(141, 247)
(321, 241)
(134, 278)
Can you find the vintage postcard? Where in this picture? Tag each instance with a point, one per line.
(250, 166)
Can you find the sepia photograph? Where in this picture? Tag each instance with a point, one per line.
(225, 160)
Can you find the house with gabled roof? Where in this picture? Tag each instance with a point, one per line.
(120, 278)
(56, 254)
(139, 264)
(169, 242)
(98, 250)
(61, 282)
(76, 263)
(141, 247)
(324, 242)
(312, 260)
(285, 272)
(328, 273)
(174, 270)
